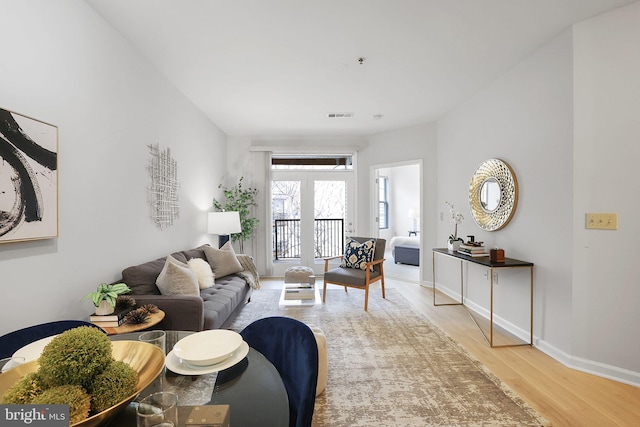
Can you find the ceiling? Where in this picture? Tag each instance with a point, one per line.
(277, 68)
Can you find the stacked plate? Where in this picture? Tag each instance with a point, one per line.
(206, 352)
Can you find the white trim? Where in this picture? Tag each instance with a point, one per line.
(578, 363)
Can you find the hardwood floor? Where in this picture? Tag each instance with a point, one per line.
(562, 395)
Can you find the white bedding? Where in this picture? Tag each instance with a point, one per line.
(412, 241)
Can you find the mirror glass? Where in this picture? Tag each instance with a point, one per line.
(490, 194)
(493, 194)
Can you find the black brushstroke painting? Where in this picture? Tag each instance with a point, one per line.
(16, 148)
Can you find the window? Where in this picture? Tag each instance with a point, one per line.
(383, 202)
(314, 162)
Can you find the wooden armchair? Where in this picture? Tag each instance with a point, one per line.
(356, 278)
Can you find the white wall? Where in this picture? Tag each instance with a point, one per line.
(566, 119)
(404, 194)
(524, 118)
(413, 144)
(62, 64)
(606, 290)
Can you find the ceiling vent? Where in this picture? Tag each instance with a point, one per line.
(340, 115)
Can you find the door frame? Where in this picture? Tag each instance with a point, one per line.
(374, 172)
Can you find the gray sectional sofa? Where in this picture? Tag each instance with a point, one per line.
(214, 308)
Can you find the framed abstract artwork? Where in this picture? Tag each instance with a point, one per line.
(28, 178)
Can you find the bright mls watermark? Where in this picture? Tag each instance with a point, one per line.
(34, 415)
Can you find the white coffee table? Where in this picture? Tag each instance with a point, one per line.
(299, 302)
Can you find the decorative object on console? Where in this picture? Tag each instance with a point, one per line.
(163, 191)
(493, 194)
(241, 200)
(473, 249)
(496, 255)
(454, 241)
(28, 178)
(105, 297)
(223, 224)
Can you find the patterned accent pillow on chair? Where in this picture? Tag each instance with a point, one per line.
(357, 255)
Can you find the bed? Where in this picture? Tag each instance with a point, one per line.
(405, 250)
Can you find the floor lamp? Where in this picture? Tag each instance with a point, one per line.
(223, 224)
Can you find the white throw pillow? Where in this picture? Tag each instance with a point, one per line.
(176, 278)
(223, 261)
(203, 272)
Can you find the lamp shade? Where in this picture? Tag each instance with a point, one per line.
(414, 213)
(223, 223)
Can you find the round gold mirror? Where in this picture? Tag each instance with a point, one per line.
(493, 194)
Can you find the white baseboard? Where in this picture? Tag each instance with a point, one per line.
(578, 363)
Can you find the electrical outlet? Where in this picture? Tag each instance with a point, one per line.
(602, 221)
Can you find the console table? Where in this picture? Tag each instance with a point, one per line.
(491, 266)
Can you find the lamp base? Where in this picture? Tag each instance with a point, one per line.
(222, 239)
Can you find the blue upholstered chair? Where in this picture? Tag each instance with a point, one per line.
(291, 347)
(15, 340)
(356, 278)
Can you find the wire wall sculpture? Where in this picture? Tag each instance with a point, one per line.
(163, 192)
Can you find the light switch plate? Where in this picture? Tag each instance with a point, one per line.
(602, 221)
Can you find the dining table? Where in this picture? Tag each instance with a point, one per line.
(252, 387)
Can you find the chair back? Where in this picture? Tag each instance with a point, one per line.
(15, 340)
(291, 347)
(379, 251)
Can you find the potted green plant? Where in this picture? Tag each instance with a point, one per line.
(104, 298)
(454, 241)
(241, 200)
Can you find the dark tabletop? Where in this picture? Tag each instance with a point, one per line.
(253, 390)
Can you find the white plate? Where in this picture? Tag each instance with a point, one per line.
(207, 347)
(29, 352)
(175, 364)
(33, 350)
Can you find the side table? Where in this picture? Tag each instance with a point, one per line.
(154, 319)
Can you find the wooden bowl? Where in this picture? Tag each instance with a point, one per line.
(146, 359)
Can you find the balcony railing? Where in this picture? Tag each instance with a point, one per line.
(328, 238)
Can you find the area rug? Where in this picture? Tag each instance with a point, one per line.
(391, 366)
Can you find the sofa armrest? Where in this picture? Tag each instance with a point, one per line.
(182, 312)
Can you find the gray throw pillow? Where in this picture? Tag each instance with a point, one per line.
(176, 278)
(223, 261)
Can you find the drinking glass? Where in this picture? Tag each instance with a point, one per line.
(159, 339)
(158, 410)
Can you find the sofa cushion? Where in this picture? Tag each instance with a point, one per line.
(176, 278)
(142, 278)
(203, 272)
(221, 299)
(223, 261)
(195, 253)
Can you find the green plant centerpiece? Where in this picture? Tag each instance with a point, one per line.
(76, 368)
(106, 296)
(242, 200)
